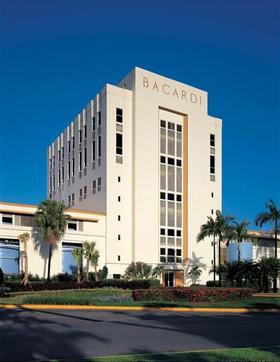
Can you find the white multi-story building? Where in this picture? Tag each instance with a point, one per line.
(147, 154)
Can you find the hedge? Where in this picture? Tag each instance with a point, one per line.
(61, 285)
(185, 294)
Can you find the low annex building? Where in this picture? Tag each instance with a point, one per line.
(16, 219)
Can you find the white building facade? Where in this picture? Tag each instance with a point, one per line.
(147, 154)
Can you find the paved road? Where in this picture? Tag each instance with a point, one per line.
(30, 335)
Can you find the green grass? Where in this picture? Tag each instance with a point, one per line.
(119, 297)
(268, 354)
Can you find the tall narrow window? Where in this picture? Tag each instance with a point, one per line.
(62, 152)
(93, 124)
(69, 169)
(119, 144)
(62, 174)
(119, 115)
(99, 146)
(212, 140)
(99, 184)
(85, 131)
(68, 146)
(99, 119)
(80, 161)
(93, 151)
(212, 164)
(73, 143)
(73, 166)
(85, 157)
(59, 155)
(80, 135)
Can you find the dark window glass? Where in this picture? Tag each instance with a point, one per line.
(116, 276)
(68, 146)
(119, 198)
(85, 157)
(80, 135)
(171, 126)
(178, 233)
(72, 225)
(59, 155)
(69, 169)
(179, 128)
(73, 142)
(73, 166)
(99, 119)
(119, 143)
(162, 159)
(7, 219)
(99, 146)
(119, 236)
(171, 252)
(171, 161)
(119, 258)
(162, 195)
(178, 252)
(119, 115)
(162, 251)
(212, 194)
(80, 161)
(85, 131)
(162, 124)
(93, 124)
(81, 192)
(93, 151)
(62, 152)
(119, 217)
(170, 232)
(171, 197)
(99, 181)
(212, 140)
(179, 198)
(162, 231)
(119, 178)
(179, 163)
(85, 189)
(212, 164)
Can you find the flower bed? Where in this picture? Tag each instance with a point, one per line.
(192, 294)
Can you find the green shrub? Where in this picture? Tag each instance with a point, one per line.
(183, 294)
(211, 284)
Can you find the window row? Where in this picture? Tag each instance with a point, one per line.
(18, 219)
(170, 143)
(170, 255)
(96, 185)
(170, 214)
(171, 178)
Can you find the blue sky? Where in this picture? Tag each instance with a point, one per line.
(56, 55)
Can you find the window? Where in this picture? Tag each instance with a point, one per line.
(162, 159)
(119, 236)
(73, 166)
(119, 198)
(179, 198)
(80, 135)
(68, 146)
(69, 263)
(119, 258)
(212, 164)
(170, 232)
(94, 186)
(171, 161)
(212, 212)
(85, 131)
(171, 126)
(178, 233)
(59, 177)
(119, 217)
(69, 200)
(85, 157)
(162, 231)
(99, 119)
(212, 140)
(163, 124)
(119, 143)
(99, 146)
(62, 152)
(119, 178)
(59, 155)
(69, 169)
(81, 193)
(80, 161)
(162, 195)
(179, 128)
(73, 198)
(116, 276)
(119, 115)
(73, 143)
(9, 256)
(179, 163)
(93, 124)
(27, 220)
(62, 174)
(171, 197)
(72, 224)
(7, 218)
(85, 190)
(93, 151)
(99, 184)
(212, 194)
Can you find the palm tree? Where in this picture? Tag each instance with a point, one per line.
(195, 273)
(91, 254)
(239, 233)
(209, 229)
(78, 256)
(24, 238)
(223, 230)
(271, 216)
(51, 222)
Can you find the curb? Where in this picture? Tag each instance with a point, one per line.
(145, 309)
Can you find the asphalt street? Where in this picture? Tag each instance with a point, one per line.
(42, 335)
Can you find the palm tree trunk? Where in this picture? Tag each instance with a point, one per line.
(275, 255)
(95, 273)
(214, 260)
(238, 251)
(49, 262)
(78, 274)
(87, 270)
(220, 277)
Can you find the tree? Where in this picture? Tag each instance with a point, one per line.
(223, 228)
(78, 256)
(239, 233)
(51, 222)
(140, 270)
(102, 274)
(194, 273)
(24, 238)
(271, 216)
(209, 229)
(92, 255)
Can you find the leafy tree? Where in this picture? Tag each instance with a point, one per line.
(24, 238)
(194, 274)
(239, 233)
(209, 229)
(78, 256)
(102, 274)
(271, 216)
(92, 255)
(51, 222)
(140, 270)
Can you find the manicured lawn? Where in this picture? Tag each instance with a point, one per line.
(268, 354)
(119, 297)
